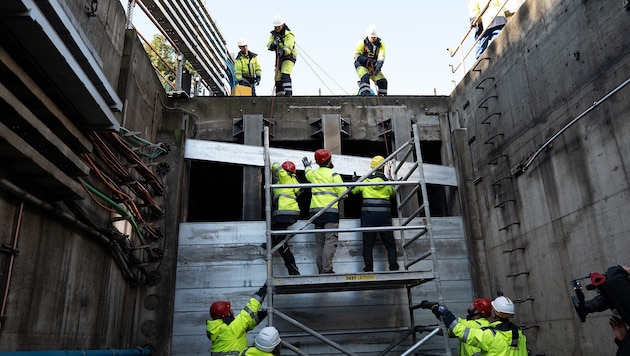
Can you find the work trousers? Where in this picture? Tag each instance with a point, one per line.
(326, 244)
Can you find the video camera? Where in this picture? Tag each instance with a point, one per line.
(584, 307)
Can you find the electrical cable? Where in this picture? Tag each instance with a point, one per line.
(159, 148)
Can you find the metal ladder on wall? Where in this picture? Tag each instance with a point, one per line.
(415, 229)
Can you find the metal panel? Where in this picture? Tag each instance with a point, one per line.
(248, 155)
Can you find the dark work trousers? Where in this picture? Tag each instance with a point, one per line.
(373, 219)
(285, 252)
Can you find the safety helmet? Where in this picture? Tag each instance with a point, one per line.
(376, 160)
(277, 21)
(322, 156)
(503, 307)
(220, 309)
(483, 306)
(371, 31)
(268, 338)
(288, 166)
(242, 42)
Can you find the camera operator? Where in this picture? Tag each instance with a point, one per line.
(616, 290)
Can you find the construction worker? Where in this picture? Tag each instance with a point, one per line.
(376, 211)
(320, 198)
(501, 337)
(282, 42)
(478, 313)
(227, 332)
(369, 56)
(267, 343)
(246, 67)
(489, 23)
(286, 210)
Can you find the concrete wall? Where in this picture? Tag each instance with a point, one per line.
(531, 233)
(65, 290)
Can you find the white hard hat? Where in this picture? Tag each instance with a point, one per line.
(242, 42)
(504, 307)
(268, 338)
(371, 31)
(277, 21)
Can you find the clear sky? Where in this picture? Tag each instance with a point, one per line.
(416, 33)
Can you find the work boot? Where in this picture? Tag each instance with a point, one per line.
(293, 270)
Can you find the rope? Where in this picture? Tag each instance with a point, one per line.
(302, 51)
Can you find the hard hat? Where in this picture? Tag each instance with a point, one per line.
(242, 42)
(288, 166)
(322, 156)
(268, 338)
(504, 307)
(277, 21)
(371, 31)
(376, 160)
(220, 309)
(483, 306)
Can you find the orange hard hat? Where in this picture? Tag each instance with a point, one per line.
(322, 156)
(220, 309)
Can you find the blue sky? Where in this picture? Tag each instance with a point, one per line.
(417, 34)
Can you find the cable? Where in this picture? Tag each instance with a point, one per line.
(302, 51)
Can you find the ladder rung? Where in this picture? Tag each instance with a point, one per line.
(413, 216)
(409, 196)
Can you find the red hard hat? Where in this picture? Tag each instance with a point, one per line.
(220, 310)
(483, 306)
(289, 166)
(322, 156)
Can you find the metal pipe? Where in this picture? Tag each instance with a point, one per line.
(419, 343)
(79, 352)
(576, 119)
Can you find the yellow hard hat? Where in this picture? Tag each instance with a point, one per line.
(376, 160)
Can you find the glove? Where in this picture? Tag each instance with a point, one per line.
(362, 60)
(306, 162)
(355, 177)
(262, 292)
(262, 313)
(439, 310)
(379, 65)
(273, 46)
(257, 80)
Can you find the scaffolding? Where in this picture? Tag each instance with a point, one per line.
(406, 173)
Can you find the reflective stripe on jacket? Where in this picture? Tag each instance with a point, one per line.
(375, 197)
(233, 336)
(322, 196)
(246, 66)
(491, 340)
(468, 350)
(284, 199)
(286, 46)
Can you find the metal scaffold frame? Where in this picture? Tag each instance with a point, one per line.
(413, 228)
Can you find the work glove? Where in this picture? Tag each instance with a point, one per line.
(362, 60)
(379, 65)
(262, 314)
(257, 80)
(306, 162)
(355, 177)
(244, 82)
(273, 46)
(439, 310)
(262, 292)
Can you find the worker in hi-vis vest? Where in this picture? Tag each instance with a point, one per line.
(228, 332)
(369, 56)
